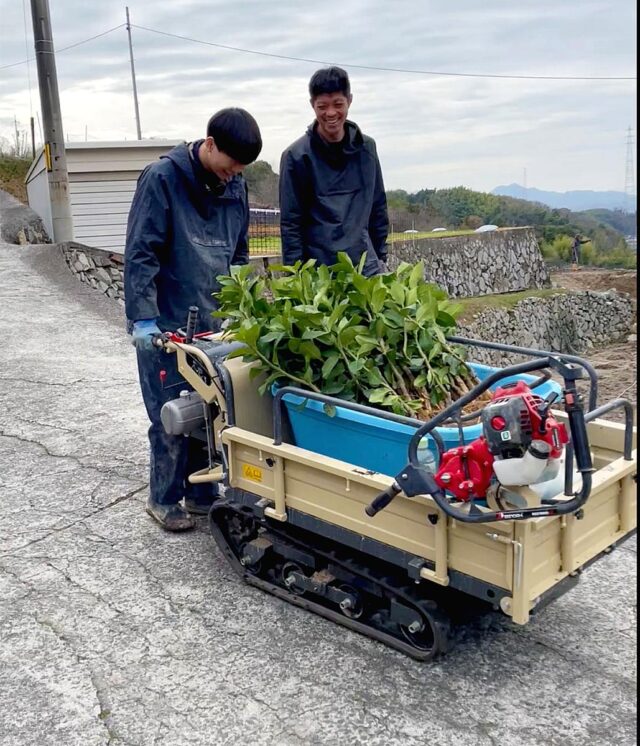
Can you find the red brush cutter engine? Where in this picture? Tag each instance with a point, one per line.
(521, 444)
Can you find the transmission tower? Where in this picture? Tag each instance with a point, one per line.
(629, 181)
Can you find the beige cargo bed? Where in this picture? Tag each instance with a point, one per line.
(517, 563)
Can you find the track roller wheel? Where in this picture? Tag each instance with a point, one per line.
(288, 578)
(356, 609)
(431, 635)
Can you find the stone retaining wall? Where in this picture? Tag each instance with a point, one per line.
(571, 322)
(104, 270)
(501, 261)
(101, 269)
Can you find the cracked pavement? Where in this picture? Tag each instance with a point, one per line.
(113, 632)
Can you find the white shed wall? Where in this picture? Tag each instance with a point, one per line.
(38, 193)
(102, 181)
(100, 209)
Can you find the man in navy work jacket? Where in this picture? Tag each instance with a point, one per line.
(188, 224)
(332, 195)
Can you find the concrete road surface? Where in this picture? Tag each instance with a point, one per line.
(113, 632)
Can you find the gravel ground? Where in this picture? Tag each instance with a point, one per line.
(115, 633)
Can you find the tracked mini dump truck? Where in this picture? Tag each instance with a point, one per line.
(326, 517)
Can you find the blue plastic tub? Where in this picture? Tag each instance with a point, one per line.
(372, 442)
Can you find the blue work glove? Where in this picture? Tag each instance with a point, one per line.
(144, 330)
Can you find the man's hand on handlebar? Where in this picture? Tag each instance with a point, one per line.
(145, 333)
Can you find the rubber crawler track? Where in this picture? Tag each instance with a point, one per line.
(218, 519)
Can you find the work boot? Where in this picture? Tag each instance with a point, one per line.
(197, 505)
(170, 517)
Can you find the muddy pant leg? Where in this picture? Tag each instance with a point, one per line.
(168, 453)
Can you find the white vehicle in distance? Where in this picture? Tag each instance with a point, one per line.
(437, 230)
(486, 228)
(411, 230)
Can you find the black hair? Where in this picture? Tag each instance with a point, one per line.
(236, 133)
(329, 80)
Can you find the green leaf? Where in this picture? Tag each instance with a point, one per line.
(377, 396)
(310, 350)
(334, 330)
(329, 409)
(417, 273)
(330, 364)
(445, 319)
(397, 292)
(333, 389)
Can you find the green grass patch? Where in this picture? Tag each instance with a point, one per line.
(404, 237)
(472, 306)
(12, 173)
(273, 244)
(265, 245)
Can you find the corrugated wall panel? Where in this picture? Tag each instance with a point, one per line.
(100, 210)
(83, 221)
(96, 187)
(99, 230)
(95, 208)
(101, 198)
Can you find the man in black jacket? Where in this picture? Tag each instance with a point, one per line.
(576, 251)
(332, 195)
(187, 225)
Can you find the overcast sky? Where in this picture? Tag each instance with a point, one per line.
(432, 131)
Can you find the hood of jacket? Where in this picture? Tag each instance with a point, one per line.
(184, 158)
(350, 145)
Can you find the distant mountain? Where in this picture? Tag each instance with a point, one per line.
(577, 200)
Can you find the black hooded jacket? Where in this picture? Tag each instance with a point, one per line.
(332, 199)
(185, 228)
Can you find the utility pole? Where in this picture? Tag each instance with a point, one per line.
(54, 152)
(133, 79)
(33, 139)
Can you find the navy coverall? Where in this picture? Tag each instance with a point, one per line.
(185, 228)
(332, 199)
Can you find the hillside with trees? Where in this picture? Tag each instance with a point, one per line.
(455, 209)
(461, 208)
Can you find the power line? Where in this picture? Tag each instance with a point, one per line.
(374, 67)
(64, 49)
(325, 62)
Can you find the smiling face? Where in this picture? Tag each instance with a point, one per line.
(217, 162)
(331, 111)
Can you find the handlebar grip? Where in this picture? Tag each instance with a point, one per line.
(192, 320)
(381, 501)
(158, 340)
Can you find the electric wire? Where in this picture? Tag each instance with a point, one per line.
(64, 49)
(379, 68)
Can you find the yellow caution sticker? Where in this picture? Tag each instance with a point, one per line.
(254, 473)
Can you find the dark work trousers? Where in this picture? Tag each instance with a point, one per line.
(172, 457)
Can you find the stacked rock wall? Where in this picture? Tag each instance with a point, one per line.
(570, 322)
(501, 261)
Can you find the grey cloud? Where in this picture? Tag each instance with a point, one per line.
(473, 130)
